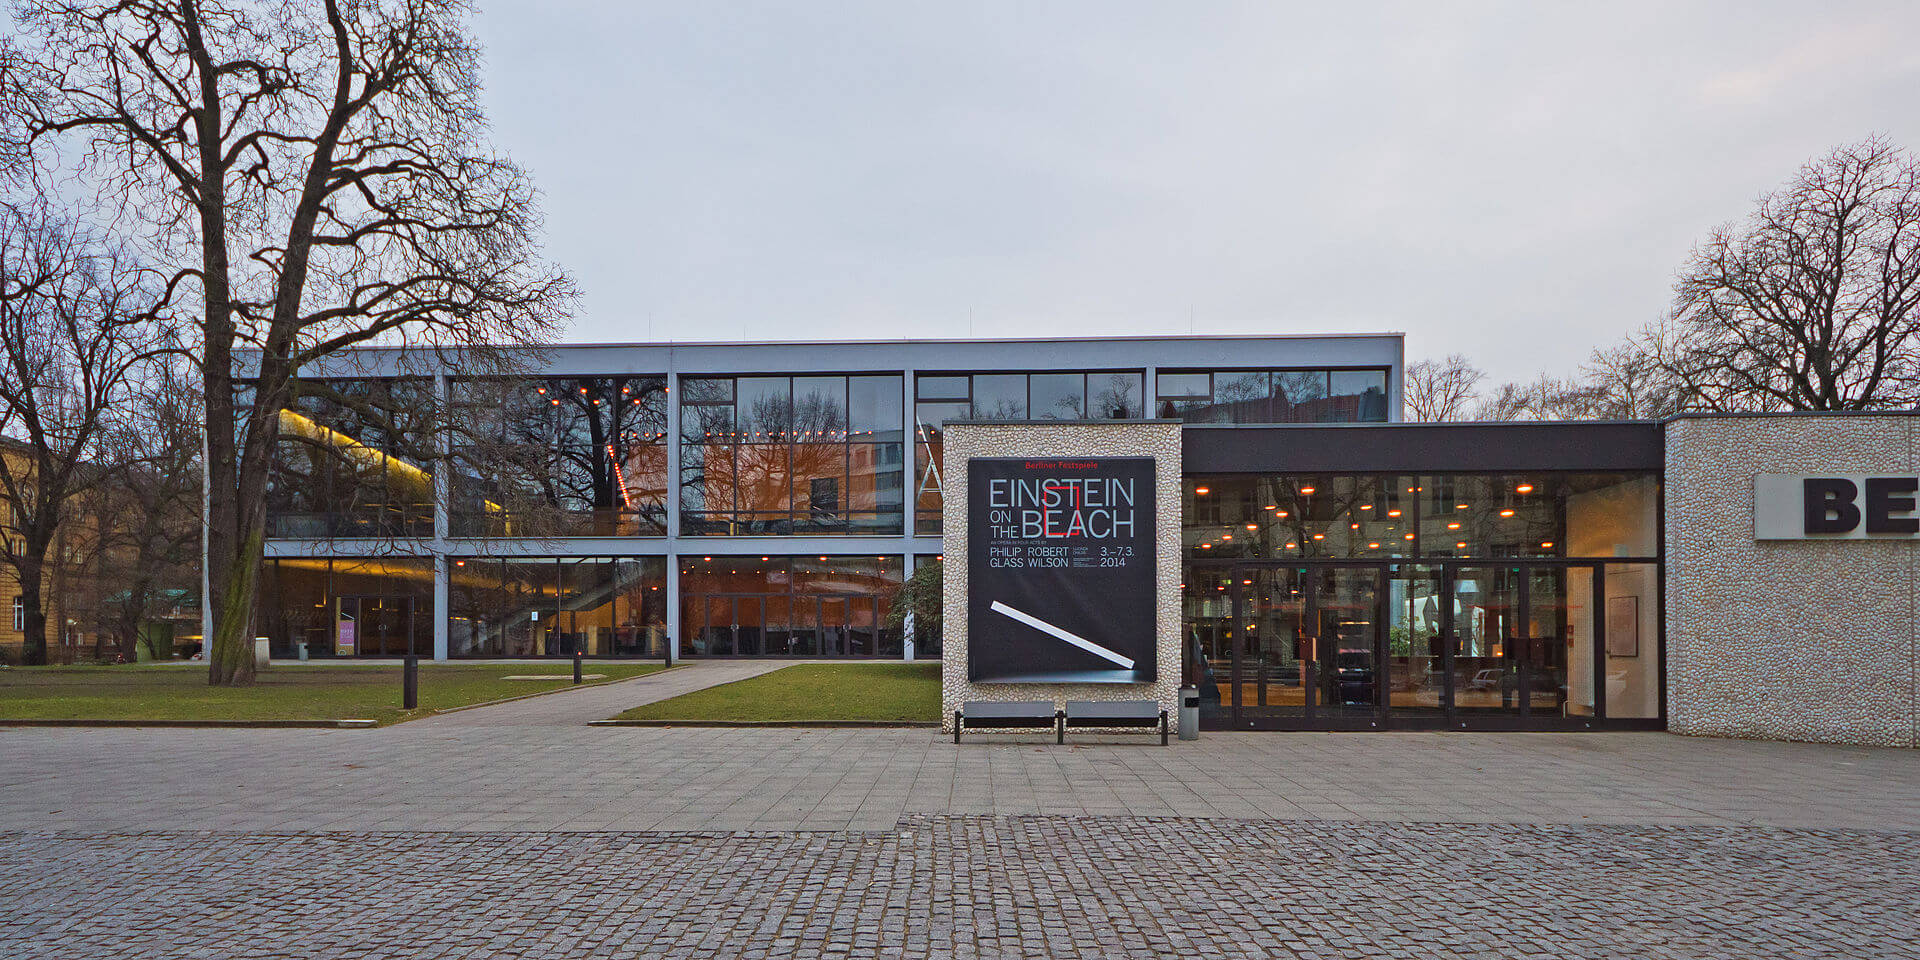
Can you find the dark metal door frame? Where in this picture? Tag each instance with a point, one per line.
(1314, 714)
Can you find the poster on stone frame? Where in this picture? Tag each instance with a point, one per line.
(1061, 570)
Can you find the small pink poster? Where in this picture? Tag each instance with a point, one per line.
(343, 644)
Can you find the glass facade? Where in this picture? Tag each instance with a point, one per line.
(1272, 396)
(823, 606)
(1054, 395)
(565, 456)
(1426, 599)
(318, 608)
(791, 455)
(552, 607)
(354, 459)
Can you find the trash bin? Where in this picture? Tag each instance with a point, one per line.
(1189, 713)
(262, 655)
(300, 647)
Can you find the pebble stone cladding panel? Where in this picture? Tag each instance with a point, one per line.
(1792, 639)
(964, 441)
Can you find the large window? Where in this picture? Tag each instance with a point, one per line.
(790, 455)
(354, 458)
(940, 397)
(788, 606)
(567, 456)
(1377, 516)
(552, 607)
(1510, 600)
(1272, 396)
(316, 607)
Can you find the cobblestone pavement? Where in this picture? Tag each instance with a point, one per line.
(1100, 887)
(540, 777)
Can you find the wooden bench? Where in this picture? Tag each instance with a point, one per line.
(1113, 713)
(1016, 715)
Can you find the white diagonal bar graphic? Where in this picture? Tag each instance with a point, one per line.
(1048, 628)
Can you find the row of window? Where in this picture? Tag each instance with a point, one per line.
(316, 607)
(759, 455)
(1378, 516)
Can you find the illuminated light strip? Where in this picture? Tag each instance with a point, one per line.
(619, 476)
(1048, 628)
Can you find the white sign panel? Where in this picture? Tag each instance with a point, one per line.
(1836, 507)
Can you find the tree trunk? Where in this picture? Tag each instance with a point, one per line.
(33, 645)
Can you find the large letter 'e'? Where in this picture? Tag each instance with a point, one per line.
(1833, 495)
(1884, 500)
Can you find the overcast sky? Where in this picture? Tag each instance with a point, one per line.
(1516, 182)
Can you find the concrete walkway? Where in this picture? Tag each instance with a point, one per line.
(575, 707)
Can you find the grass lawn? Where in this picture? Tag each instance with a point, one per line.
(285, 692)
(812, 693)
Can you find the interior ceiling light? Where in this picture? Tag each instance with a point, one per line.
(1200, 491)
(1274, 506)
(1253, 526)
(1546, 544)
(1507, 512)
(1366, 506)
(1462, 545)
(1393, 513)
(1453, 526)
(1523, 488)
(1459, 506)
(1307, 490)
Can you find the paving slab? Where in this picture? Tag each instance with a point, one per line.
(538, 765)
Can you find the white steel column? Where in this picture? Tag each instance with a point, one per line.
(673, 512)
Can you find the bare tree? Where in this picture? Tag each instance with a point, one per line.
(74, 328)
(324, 167)
(1437, 390)
(148, 507)
(1813, 303)
(1543, 398)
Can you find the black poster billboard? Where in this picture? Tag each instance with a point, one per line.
(1060, 570)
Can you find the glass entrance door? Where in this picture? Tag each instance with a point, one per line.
(383, 626)
(1486, 630)
(1306, 647)
(1347, 614)
(1273, 671)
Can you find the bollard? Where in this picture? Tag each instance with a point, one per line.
(410, 683)
(1189, 713)
(576, 666)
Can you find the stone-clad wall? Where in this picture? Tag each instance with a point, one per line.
(965, 441)
(1788, 639)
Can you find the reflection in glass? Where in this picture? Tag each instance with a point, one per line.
(808, 455)
(1416, 644)
(548, 607)
(789, 606)
(1486, 612)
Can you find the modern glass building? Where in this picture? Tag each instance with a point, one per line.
(766, 499)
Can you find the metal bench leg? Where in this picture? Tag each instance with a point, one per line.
(1163, 728)
(1059, 728)
(956, 728)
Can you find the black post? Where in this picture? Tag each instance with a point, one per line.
(410, 683)
(576, 666)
